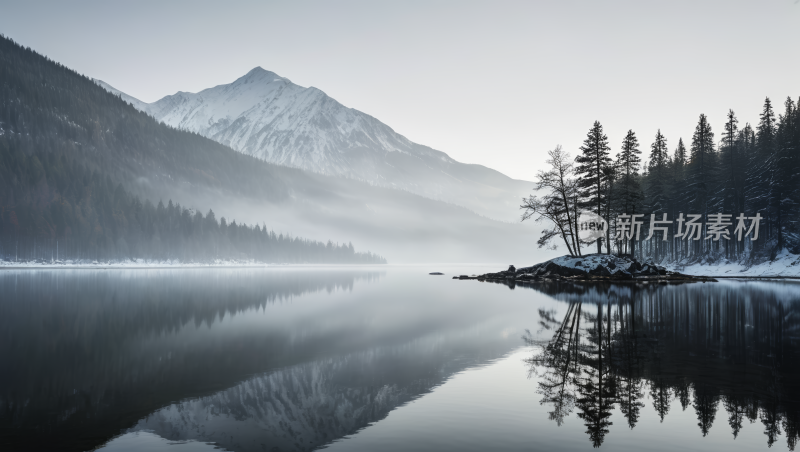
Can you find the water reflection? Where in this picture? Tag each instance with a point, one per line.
(88, 353)
(730, 344)
(304, 359)
(246, 359)
(306, 406)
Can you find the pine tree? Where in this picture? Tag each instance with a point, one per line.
(700, 171)
(677, 192)
(731, 176)
(628, 193)
(785, 185)
(657, 183)
(592, 169)
(657, 170)
(761, 167)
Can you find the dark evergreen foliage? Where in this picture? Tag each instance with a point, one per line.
(593, 164)
(627, 196)
(701, 168)
(784, 199)
(751, 171)
(657, 168)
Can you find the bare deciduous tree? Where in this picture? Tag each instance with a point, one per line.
(559, 203)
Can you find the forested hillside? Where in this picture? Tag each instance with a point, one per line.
(68, 149)
(56, 121)
(749, 174)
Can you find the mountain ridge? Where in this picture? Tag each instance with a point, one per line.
(55, 120)
(267, 116)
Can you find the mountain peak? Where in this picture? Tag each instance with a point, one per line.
(260, 75)
(267, 116)
(256, 71)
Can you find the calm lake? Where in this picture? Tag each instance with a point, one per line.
(392, 359)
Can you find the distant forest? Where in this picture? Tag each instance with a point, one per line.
(750, 170)
(69, 149)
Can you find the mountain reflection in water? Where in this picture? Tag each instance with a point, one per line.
(92, 352)
(730, 343)
(287, 359)
(354, 359)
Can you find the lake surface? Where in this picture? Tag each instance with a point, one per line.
(391, 359)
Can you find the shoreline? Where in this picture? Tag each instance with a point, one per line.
(756, 278)
(173, 266)
(590, 268)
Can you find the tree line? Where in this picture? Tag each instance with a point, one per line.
(749, 170)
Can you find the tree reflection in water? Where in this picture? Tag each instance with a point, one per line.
(729, 345)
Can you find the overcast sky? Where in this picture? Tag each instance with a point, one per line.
(496, 83)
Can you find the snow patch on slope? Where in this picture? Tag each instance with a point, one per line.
(784, 264)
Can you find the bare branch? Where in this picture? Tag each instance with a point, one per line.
(557, 204)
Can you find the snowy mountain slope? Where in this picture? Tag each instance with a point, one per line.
(268, 116)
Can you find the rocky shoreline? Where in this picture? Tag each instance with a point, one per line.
(591, 268)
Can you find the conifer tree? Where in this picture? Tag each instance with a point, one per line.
(746, 145)
(760, 169)
(700, 171)
(592, 169)
(628, 193)
(731, 175)
(786, 181)
(680, 159)
(677, 192)
(657, 184)
(659, 157)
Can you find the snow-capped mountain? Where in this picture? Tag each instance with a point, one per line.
(268, 116)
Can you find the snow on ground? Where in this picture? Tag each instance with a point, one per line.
(141, 263)
(614, 264)
(785, 264)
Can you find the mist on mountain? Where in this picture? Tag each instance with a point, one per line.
(267, 116)
(50, 113)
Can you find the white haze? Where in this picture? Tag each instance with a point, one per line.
(367, 184)
(268, 117)
(402, 227)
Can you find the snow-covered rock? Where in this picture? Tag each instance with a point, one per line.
(589, 267)
(594, 264)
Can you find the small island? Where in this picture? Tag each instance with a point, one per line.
(591, 268)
